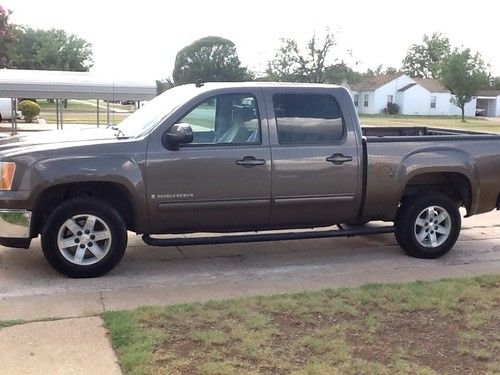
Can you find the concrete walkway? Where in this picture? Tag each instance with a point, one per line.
(69, 346)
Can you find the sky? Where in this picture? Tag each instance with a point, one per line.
(138, 40)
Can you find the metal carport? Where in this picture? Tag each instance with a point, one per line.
(59, 85)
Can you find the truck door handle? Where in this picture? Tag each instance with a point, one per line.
(250, 161)
(339, 159)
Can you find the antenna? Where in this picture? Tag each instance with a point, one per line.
(199, 83)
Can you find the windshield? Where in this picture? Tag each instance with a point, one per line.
(151, 113)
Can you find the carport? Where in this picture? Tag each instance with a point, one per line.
(489, 102)
(59, 85)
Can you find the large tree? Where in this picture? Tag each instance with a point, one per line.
(495, 83)
(464, 74)
(309, 65)
(422, 60)
(7, 36)
(210, 59)
(51, 50)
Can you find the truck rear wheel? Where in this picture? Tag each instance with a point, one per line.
(428, 225)
(84, 237)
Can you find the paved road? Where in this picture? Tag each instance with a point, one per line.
(29, 289)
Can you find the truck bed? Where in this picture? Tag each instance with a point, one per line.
(417, 131)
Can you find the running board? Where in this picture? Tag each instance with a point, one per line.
(284, 236)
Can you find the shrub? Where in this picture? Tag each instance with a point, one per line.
(29, 110)
(392, 108)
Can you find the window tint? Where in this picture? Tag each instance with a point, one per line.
(307, 118)
(225, 119)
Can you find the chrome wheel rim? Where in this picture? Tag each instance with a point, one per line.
(433, 226)
(84, 239)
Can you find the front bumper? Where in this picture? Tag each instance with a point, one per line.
(15, 228)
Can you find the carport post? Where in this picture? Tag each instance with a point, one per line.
(13, 115)
(107, 112)
(61, 108)
(57, 113)
(98, 114)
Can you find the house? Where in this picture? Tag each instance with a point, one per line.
(488, 103)
(414, 96)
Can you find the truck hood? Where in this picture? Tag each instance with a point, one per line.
(57, 138)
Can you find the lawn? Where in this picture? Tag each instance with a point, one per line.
(442, 327)
(83, 112)
(451, 122)
(83, 117)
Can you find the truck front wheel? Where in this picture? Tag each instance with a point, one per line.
(84, 237)
(428, 225)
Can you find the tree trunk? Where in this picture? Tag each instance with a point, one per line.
(463, 113)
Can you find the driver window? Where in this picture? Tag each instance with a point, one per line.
(231, 119)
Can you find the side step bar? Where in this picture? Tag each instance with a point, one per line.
(238, 238)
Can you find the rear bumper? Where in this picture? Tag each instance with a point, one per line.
(15, 228)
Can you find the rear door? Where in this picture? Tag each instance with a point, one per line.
(315, 159)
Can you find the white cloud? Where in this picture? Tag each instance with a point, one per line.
(139, 39)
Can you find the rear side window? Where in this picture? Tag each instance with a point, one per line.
(308, 118)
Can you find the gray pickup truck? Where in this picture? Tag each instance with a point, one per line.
(240, 157)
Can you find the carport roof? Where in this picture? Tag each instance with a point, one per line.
(42, 84)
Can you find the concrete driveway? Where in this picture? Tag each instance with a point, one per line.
(30, 289)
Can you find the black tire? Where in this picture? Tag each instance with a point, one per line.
(406, 225)
(107, 217)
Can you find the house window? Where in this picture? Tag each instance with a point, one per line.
(365, 102)
(390, 98)
(433, 102)
(356, 100)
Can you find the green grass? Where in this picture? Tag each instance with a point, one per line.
(448, 326)
(451, 122)
(83, 118)
(10, 323)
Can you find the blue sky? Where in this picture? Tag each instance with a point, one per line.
(139, 39)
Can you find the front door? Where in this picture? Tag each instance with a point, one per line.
(316, 167)
(221, 181)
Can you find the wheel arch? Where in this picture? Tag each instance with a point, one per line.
(112, 192)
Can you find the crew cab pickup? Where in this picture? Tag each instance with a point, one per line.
(240, 157)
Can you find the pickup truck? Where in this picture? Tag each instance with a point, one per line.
(240, 157)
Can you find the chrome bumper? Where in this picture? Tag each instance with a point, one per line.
(15, 223)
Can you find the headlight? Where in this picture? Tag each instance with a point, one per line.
(7, 169)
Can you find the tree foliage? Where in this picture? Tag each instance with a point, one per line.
(295, 65)
(210, 59)
(163, 85)
(51, 50)
(7, 36)
(422, 60)
(495, 84)
(464, 74)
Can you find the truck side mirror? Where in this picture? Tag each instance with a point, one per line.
(178, 134)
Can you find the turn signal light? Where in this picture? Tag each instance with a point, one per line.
(7, 169)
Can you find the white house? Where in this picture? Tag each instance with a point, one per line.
(414, 96)
(488, 102)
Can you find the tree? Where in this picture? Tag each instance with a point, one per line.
(7, 36)
(163, 85)
(51, 50)
(464, 74)
(210, 59)
(341, 73)
(292, 64)
(422, 60)
(495, 84)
